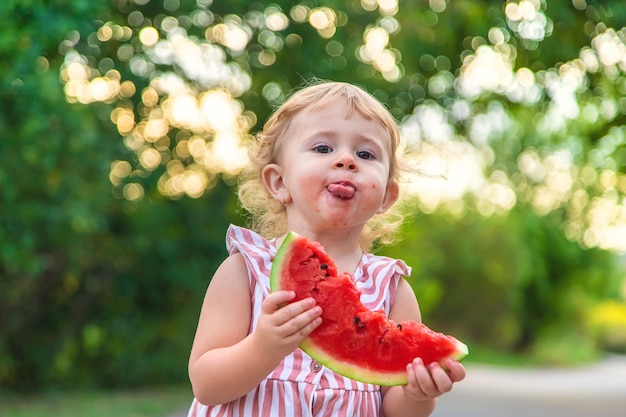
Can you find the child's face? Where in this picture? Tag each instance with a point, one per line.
(334, 169)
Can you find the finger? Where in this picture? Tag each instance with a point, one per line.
(275, 300)
(413, 388)
(309, 327)
(424, 379)
(456, 371)
(288, 313)
(441, 378)
(301, 324)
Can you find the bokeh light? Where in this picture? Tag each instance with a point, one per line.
(188, 125)
(376, 52)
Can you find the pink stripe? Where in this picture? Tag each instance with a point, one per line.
(256, 400)
(281, 412)
(323, 406)
(296, 359)
(267, 403)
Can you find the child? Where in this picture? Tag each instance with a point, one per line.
(326, 167)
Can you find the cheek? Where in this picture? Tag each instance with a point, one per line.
(306, 183)
(308, 187)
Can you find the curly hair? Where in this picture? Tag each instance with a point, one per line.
(268, 216)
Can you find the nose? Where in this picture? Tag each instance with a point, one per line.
(346, 161)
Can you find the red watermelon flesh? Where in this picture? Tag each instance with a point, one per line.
(353, 341)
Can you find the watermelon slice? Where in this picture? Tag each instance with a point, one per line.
(352, 340)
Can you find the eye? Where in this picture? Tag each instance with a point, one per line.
(365, 155)
(323, 149)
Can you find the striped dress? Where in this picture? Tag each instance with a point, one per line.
(300, 386)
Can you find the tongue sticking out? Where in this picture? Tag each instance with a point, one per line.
(342, 190)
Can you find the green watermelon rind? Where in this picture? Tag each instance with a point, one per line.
(278, 261)
(362, 374)
(347, 369)
(352, 371)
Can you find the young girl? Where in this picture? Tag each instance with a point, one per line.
(326, 167)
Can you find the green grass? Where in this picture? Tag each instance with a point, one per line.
(561, 353)
(479, 355)
(157, 402)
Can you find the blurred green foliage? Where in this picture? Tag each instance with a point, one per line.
(93, 290)
(507, 283)
(99, 290)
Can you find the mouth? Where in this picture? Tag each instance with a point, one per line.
(343, 190)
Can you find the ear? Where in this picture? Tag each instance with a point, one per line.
(272, 177)
(391, 196)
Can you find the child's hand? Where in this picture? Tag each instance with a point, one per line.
(281, 329)
(428, 382)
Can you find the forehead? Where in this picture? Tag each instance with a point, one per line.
(338, 113)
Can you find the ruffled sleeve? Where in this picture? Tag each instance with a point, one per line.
(378, 278)
(257, 251)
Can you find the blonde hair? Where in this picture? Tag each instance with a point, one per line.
(268, 216)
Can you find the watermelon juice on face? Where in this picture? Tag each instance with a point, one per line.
(333, 173)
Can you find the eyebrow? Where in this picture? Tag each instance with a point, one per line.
(333, 134)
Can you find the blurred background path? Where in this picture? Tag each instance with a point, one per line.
(592, 390)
